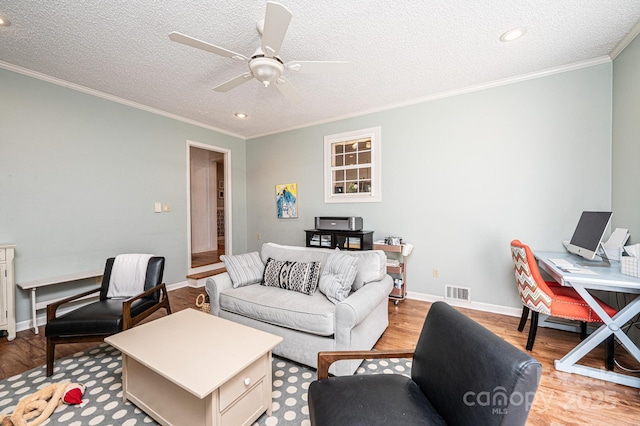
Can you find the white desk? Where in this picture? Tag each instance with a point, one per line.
(608, 279)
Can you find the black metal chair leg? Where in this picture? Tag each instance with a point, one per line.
(523, 318)
(610, 343)
(583, 330)
(532, 330)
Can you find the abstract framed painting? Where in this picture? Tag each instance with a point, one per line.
(287, 201)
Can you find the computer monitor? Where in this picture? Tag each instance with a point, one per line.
(589, 233)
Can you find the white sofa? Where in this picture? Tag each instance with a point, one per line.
(310, 323)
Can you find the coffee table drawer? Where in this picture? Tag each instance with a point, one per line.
(243, 381)
(248, 408)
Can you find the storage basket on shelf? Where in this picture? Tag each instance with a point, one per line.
(630, 266)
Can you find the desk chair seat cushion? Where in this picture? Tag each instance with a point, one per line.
(548, 297)
(101, 317)
(567, 303)
(369, 400)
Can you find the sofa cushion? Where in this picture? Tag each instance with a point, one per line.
(310, 314)
(244, 269)
(338, 276)
(372, 266)
(296, 276)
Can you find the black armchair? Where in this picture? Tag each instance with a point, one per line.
(462, 374)
(104, 317)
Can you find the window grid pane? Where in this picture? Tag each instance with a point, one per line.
(364, 157)
(350, 160)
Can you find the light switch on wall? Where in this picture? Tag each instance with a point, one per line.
(166, 208)
(157, 207)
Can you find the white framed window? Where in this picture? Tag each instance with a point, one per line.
(352, 166)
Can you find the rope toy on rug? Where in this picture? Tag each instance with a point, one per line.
(40, 404)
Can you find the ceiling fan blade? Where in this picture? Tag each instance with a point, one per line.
(199, 44)
(233, 83)
(288, 90)
(318, 66)
(276, 23)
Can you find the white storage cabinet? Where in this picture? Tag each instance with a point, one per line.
(7, 291)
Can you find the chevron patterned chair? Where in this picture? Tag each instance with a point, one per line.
(550, 298)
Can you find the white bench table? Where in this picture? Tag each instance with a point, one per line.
(33, 286)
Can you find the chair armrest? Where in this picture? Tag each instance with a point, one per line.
(127, 320)
(325, 359)
(214, 286)
(53, 307)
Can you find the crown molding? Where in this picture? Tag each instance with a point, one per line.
(470, 89)
(635, 30)
(503, 82)
(93, 92)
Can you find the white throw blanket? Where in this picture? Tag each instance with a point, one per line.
(128, 274)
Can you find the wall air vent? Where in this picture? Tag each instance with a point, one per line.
(457, 293)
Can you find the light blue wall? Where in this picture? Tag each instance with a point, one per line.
(79, 176)
(626, 140)
(461, 178)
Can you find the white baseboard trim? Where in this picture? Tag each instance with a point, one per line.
(175, 286)
(26, 325)
(477, 306)
(42, 318)
(544, 321)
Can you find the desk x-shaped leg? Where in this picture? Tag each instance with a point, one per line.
(611, 326)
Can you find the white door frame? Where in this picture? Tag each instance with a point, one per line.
(227, 202)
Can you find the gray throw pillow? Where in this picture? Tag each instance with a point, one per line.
(244, 269)
(296, 276)
(338, 276)
(372, 266)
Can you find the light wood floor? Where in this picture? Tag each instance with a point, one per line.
(562, 398)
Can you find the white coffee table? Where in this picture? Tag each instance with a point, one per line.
(192, 368)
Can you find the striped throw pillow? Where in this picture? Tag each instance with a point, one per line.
(244, 269)
(338, 276)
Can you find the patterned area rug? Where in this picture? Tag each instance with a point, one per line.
(99, 369)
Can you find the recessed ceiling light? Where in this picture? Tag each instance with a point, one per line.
(513, 34)
(4, 22)
(240, 115)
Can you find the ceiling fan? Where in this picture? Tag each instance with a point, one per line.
(265, 65)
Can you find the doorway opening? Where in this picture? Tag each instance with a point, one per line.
(209, 211)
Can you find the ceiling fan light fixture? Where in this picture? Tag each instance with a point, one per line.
(513, 34)
(266, 70)
(265, 65)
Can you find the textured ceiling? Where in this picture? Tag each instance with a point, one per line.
(400, 50)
